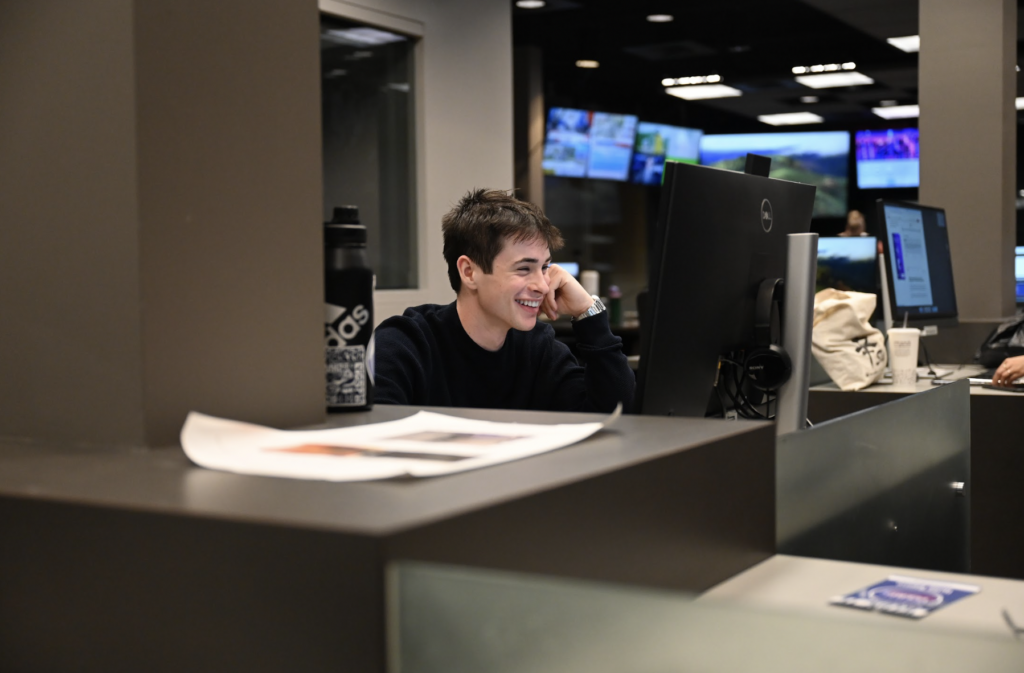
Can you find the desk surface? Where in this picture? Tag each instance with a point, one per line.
(804, 585)
(164, 480)
(959, 372)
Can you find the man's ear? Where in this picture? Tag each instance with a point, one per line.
(469, 272)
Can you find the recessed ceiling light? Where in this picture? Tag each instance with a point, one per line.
(833, 79)
(530, 4)
(808, 99)
(898, 111)
(909, 43)
(660, 18)
(584, 63)
(1019, 103)
(703, 91)
(790, 118)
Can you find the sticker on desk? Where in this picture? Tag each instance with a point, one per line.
(906, 596)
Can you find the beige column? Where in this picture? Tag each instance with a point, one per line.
(160, 210)
(968, 124)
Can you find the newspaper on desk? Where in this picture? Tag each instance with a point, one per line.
(425, 444)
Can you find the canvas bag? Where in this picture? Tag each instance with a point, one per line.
(845, 344)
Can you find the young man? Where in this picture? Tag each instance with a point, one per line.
(487, 349)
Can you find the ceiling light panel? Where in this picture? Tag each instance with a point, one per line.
(685, 81)
(898, 111)
(703, 91)
(660, 18)
(834, 79)
(790, 119)
(909, 43)
(585, 63)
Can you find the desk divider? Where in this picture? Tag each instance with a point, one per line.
(887, 485)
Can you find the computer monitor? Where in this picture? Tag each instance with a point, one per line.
(1018, 268)
(719, 235)
(919, 269)
(847, 263)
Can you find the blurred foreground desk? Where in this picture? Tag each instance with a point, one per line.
(997, 463)
(136, 560)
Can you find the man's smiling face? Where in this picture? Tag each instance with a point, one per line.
(510, 296)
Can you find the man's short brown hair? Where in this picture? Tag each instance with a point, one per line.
(483, 221)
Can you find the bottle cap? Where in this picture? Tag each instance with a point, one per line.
(344, 228)
(345, 215)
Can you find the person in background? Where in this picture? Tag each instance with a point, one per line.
(1009, 371)
(855, 224)
(487, 349)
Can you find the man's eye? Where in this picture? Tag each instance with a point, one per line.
(545, 268)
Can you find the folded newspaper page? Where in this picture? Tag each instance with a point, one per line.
(423, 445)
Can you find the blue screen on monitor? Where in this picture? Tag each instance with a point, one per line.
(888, 158)
(816, 158)
(585, 144)
(656, 143)
(1018, 267)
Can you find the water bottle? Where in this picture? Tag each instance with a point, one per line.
(348, 323)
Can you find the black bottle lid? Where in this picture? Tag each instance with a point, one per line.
(344, 228)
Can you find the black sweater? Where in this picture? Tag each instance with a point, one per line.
(424, 357)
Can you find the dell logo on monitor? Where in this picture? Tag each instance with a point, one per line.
(766, 215)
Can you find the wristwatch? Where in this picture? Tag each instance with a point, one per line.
(595, 308)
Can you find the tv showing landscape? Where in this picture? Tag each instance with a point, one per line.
(657, 143)
(888, 159)
(816, 158)
(847, 263)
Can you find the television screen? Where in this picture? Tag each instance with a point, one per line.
(567, 144)
(816, 158)
(888, 158)
(611, 145)
(584, 144)
(847, 263)
(656, 143)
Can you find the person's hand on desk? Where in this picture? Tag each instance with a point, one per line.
(1009, 371)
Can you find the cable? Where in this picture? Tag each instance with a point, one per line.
(927, 360)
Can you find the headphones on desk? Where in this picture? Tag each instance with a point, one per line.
(766, 365)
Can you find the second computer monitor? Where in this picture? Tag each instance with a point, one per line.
(919, 268)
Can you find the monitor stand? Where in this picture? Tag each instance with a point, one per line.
(797, 323)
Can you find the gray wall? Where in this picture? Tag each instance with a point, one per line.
(161, 217)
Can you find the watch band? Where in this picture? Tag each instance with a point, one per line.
(595, 308)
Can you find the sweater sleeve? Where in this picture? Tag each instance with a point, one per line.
(399, 374)
(606, 377)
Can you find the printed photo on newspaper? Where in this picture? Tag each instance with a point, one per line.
(425, 444)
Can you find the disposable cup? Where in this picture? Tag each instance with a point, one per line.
(903, 344)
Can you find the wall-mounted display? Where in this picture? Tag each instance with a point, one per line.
(818, 158)
(887, 159)
(582, 143)
(657, 143)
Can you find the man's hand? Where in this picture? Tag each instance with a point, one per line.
(1008, 372)
(565, 294)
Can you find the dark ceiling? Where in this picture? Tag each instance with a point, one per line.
(752, 44)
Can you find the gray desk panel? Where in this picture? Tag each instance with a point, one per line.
(164, 480)
(997, 464)
(117, 559)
